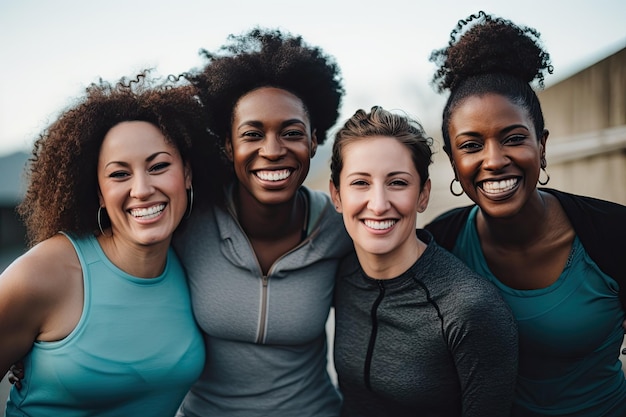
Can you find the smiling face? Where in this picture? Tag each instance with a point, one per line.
(142, 182)
(379, 197)
(271, 145)
(495, 153)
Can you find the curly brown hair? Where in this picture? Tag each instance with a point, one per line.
(269, 58)
(62, 193)
(380, 122)
(488, 54)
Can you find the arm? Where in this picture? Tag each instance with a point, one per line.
(484, 347)
(21, 315)
(40, 298)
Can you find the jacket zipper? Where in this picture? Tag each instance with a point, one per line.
(373, 334)
(263, 317)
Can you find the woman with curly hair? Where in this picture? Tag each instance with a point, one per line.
(99, 306)
(417, 332)
(262, 266)
(557, 258)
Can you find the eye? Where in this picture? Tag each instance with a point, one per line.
(294, 134)
(398, 183)
(515, 139)
(118, 174)
(159, 167)
(359, 183)
(470, 146)
(251, 135)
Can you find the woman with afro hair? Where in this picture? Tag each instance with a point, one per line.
(99, 307)
(262, 266)
(557, 258)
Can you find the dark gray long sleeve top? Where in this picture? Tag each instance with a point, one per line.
(436, 341)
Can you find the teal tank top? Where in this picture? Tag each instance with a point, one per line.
(135, 351)
(570, 334)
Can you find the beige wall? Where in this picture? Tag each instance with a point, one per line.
(586, 117)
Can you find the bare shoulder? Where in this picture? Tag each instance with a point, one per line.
(44, 270)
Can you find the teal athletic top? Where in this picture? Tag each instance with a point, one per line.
(568, 363)
(135, 351)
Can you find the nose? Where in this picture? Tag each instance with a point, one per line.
(495, 157)
(141, 187)
(378, 203)
(272, 148)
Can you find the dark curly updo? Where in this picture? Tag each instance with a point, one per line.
(488, 54)
(62, 193)
(269, 58)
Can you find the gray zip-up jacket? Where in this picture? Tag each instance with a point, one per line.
(265, 335)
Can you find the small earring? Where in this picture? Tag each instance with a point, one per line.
(452, 188)
(547, 177)
(190, 198)
(100, 221)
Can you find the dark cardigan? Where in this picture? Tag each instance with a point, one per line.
(600, 225)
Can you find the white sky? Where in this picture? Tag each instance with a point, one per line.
(50, 50)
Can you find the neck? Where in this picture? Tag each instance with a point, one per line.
(136, 260)
(270, 221)
(392, 264)
(520, 231)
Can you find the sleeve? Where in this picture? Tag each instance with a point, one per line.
(484, 344)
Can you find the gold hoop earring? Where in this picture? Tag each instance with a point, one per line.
(547, 177)
(100, 222)
(452, 188)
(190, 199)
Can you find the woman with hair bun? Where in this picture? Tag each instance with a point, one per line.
(557, 258)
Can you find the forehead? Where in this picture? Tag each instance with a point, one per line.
(489, 108)
(132, 138)
(269, 102)
(375, 153)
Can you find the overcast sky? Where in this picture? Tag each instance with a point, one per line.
(50, 50)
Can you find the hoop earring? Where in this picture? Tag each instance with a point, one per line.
(190, 198)
(547, 177)
(100, 222)
(452, 188)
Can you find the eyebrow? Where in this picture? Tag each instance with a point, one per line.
(259, 124)
(367, 174)
(505, 130)
(150, 158)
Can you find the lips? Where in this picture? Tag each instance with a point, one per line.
(147, 213)
(379, 224)
(499, 187)
(273, 175)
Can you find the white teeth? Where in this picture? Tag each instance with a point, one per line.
(148, 213)
(274, 175)
(494, 187)
(379, 225)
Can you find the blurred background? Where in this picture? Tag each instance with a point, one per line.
(50, 51)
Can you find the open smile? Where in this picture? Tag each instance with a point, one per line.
(495, 188)
(380, 224)
(147, 213)
(274, 175)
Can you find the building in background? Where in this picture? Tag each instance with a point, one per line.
(12, 186)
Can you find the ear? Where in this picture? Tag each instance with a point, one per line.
(542, 147)
(313, 143)
(424, 197)
(188, 175)
(228, 147)
(453, 166)
(100, 199)
(334, 194)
